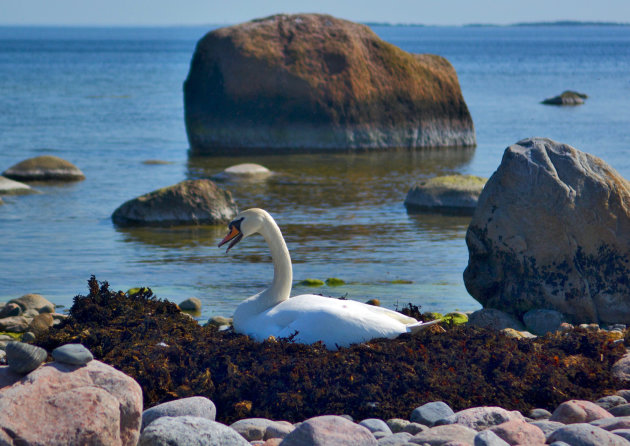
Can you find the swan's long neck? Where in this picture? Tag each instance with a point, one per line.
(280, 288)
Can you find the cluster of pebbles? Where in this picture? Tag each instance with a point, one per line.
(574, 422)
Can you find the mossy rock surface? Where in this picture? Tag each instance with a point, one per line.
(334, 281)
(311, 282)
(192, 202)
(457, 194)
(44, 168)
(464, 366)
(310, 82)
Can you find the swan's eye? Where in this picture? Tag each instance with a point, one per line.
(236, 224)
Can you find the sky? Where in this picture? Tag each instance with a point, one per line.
(203, 12)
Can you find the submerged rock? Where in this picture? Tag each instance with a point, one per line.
(44, 168)
(450, 194)
(189, 202)
(566, 98)
(243, 172)
(291, 83)
(552, 231)
(10, 187)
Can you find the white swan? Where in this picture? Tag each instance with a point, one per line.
(335, 322)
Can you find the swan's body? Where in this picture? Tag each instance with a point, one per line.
(308, 317)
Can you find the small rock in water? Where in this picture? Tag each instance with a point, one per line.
(244, 171)
(191, 304)
(24, 358)
(75, 354)
(44, 168)
(219, 321)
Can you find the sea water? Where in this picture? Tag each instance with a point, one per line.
(108, 99)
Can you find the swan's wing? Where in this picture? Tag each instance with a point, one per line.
(332, 321)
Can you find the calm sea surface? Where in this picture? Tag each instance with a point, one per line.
(109, 99)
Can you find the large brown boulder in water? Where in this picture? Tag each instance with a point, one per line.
(552, 231)
(313, 82)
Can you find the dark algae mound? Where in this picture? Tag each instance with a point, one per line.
(171, 356)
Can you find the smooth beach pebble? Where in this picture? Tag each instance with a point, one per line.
(75, 354)
(24, 358)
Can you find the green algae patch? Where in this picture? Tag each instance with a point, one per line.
(455, 318)
(333, 281)
(311, 282)
(398, 282)
(171, 356)
(16, 336)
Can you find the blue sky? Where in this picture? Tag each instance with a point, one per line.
(201, 12)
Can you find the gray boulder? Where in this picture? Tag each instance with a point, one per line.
(541, 322)
(35, 302)
(552, 230)
(189, 431)
(453, 194)
(194, 406)
(189, 202)
(494, 319)
(583, 434)
(429, 413)
(44, 168)
(328, 430)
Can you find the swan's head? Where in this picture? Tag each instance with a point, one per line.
(244, 224)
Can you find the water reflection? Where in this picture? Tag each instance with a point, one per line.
(177, 237)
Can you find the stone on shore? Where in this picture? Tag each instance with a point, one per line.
(14, 324)
(578, 411)
(552, 231)
(540, 322)
(24, 358)
(60, 404)
(189, 430)
(375, 425)
(328, 430)
(192, 304)
(74, 354)
(252, 429)
(611, 424)
(566, 98)
(441, 435)
(40, 323)
(494, 319)
(44, 168)
(480, 418)
(583, 434)
(489, 438)
(453, 194)
(34, 302)
(622, 410)
(611, 401)
(295, 83)
(193, 202)
(11, 187)
(194, 406)
(429, 413)
(519, 432)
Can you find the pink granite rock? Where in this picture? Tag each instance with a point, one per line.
(480, 418)
(329, 430)
(62, 404)
(519, 432)
(578, 411)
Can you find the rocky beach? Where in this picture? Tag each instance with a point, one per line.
(367, 151)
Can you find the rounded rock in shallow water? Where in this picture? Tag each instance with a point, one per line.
(24, 358)
(191, 304)
(75, 354)
(44, 168)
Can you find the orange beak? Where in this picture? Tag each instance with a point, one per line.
(234, 235)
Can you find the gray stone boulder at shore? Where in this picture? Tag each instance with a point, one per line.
(189, 202)
(566, 98)
(312, 82)
(552, 231)
(44, 168)
(456, 194)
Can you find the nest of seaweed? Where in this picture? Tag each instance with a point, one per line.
(171, 356)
